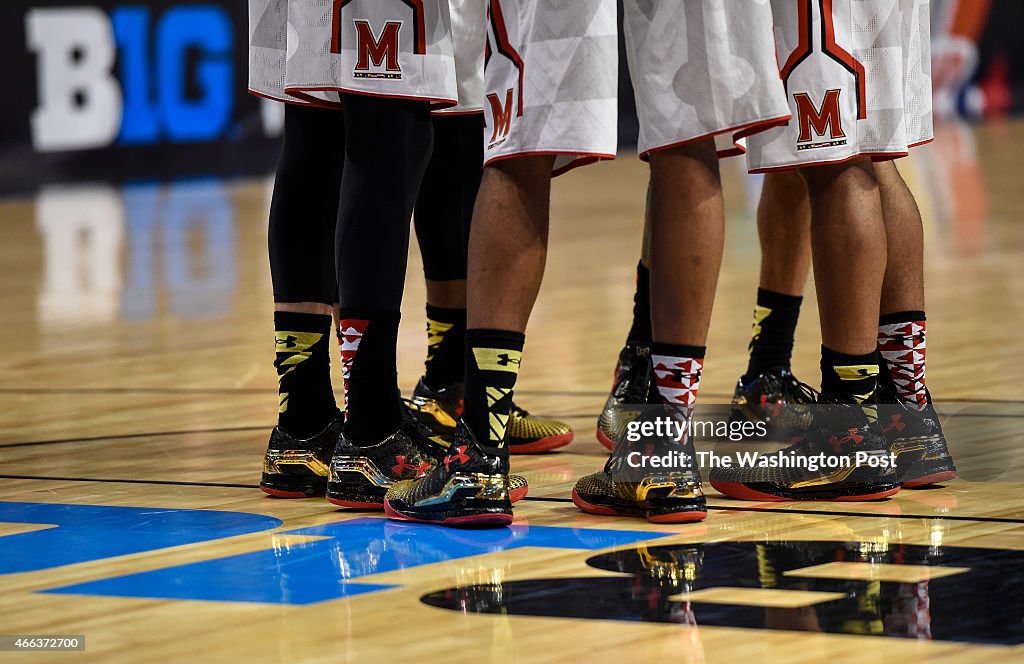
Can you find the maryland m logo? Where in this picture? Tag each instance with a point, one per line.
(501, 117)
(824, 119)
(377, 57)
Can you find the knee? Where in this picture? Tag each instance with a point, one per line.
(388, 131)
(857, 173)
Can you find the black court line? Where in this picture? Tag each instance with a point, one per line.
(775, 510)
(121, 436)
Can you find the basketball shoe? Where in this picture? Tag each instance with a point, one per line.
(527, 434)
(298, 467)
(776, 398)
(631, 387)
(467, 488)
(361, 476)
(660, 495)
(916, 437)
(839, 431)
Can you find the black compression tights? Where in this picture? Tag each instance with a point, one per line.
(388, 144)
(304, 209)
(445, 204)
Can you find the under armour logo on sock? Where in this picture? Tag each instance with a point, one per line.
(506, 360)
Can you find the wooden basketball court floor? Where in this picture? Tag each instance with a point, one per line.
(138, 392)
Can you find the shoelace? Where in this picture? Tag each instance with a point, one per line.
(419, 431)
(519, 411)
(795, 391)
(637, 382)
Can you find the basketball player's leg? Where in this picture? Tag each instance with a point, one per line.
(907, 412)
(783, 230)
(686, 222)
(631, 379)
(849, 256)
(784, 234)
(848, 245)
(443, 220)
(443, 212)
(529, 141)
(903, 288)
(388, 144)
(303, 214)
(902, 320)
(687, 217)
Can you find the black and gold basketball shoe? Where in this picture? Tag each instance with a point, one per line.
(660, 494)
(361, 476)
(631, 387)
(467, 488)
(777, 398)
(527, 434)
(916, 437)
(298, 467)
(842, 457)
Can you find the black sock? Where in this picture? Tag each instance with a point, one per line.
(306, 401)
(492, 366)
(640, 332)
(373, 402)
(446, 347)
(849, 378)
(771, 344)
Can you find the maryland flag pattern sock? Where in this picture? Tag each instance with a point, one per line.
(677, 373)
(902, 344)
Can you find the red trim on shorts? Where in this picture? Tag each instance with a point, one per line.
(451, 111)
(582, 159)
(299, 92)
(887, 156)
(803, 49)
(831, 48)
(796, 167)
(304, 100)
(420, 47)
(505, 47)
(338, 5)
(740, 131)
(875, 156)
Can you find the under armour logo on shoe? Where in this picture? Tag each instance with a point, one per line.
(400, 468)
(837, 443)
(896, 424)
(461, 457)
(773, 407)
